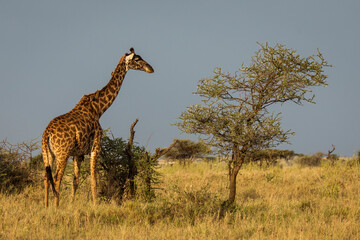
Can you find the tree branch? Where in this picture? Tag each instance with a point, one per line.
(160, 152)
(132, 133)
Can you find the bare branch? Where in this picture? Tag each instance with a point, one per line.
(160, 152)
(331, 151)
(132, 133)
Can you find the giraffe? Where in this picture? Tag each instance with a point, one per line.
(78, 132)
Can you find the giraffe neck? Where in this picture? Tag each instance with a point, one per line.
(108, 93)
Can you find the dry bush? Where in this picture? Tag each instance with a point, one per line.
(15, 175)
(18, 169)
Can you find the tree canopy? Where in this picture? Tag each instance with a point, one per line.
(185, 148)
(235, 107)
(234, 115)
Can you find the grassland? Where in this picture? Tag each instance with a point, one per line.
(272, 203)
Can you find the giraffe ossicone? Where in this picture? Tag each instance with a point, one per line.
(78, 132)
(128, 58)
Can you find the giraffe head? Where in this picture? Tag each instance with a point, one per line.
(135, 62)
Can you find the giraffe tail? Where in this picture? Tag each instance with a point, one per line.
(46, 154)
(50, 177)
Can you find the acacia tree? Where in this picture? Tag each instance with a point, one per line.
(235, 114)
(186, 149)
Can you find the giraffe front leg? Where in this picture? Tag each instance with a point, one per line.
(95, 151)
(77, 164)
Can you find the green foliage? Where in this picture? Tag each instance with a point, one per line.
(235, 107)
(235, 115)
(186, 149)
(118, 168)
(147, 176)
(115, 166)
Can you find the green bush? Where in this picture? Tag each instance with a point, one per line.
(186, 150)
(123, 174)
(113, 168)
(147, 176)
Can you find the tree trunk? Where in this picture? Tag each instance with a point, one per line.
(233, 172)
(234, 167)
(232, 182)
(132, 166)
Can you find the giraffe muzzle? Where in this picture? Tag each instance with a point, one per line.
(149, 69)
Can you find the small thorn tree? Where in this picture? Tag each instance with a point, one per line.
(234, 115)
(186, 150)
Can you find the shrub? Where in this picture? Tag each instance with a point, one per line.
(18, 168)
(334, 157)
(15, 174)
(186, 150)
(116, 168)
(124, 176)
(36, 163)
(147, 176)
(113, 168)
(269, 156)
(309, 161)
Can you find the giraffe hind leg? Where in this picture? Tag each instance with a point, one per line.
(96, 148)
(60, 170)
(77, 165)
(46, 183)
(50, 178)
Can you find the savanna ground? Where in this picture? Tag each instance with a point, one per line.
(289, 202)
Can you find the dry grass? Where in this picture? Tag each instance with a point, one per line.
(274, 203)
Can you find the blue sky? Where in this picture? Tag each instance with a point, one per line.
(53, 52)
